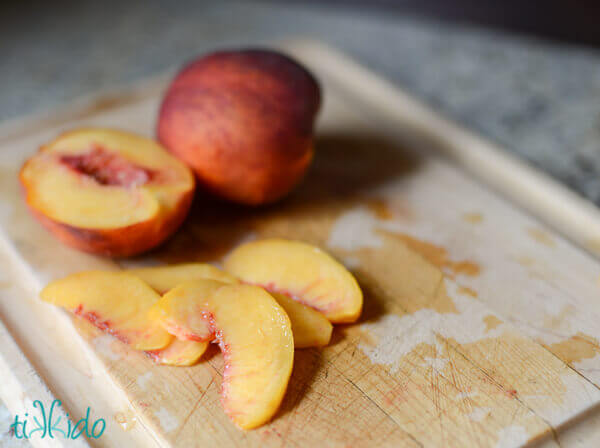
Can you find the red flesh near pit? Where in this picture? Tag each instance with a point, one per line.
(96, 321)
(108, 168)
(270, 287)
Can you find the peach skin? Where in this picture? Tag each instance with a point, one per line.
(243, 120)
(107, 192)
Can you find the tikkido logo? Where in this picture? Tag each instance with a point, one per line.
(48, 425)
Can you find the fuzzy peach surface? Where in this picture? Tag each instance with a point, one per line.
(243, 120)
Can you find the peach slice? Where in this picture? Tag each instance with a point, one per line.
(179, 353)
(310, 328)
(163, 278)
(180, 317)
(115, 302)
(107, 192)
(255, 336)
(300, 271)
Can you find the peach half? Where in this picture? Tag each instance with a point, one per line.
(116, 302)
(302, 272)
(310, 328)
(254, 334)
(107, 192)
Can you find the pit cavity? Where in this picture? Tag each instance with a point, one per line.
(107, 168)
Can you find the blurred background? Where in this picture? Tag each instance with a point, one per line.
(524, 74)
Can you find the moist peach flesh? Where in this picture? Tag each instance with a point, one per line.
(255, 337)
(164, 278)
(300, 271)
(309, 327)
(106, 191)
(115, 302)
(97, 321)
(179, 353)
(108, 168)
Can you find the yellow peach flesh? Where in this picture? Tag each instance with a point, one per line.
(179, 313)
(255, 336)
(116, 302)
(174, 176)
(310, 328)
(163, 278)
(179, 353)
(301, 271)
(173, 180)
(82, 202)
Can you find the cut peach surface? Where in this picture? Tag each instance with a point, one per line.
(255, 336)
(310, 328)
(163, 278)
(179, 315)
(301, 271)
(115, 302)
(106, 191)
(179, 353)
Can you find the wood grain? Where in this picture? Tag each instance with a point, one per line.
(480, 326)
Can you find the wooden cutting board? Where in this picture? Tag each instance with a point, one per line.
(480, 327)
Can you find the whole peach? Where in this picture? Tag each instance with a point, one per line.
(243, 121)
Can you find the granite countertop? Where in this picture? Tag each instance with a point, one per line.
(538, 99)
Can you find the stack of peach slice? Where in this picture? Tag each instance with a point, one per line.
(276, 295)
